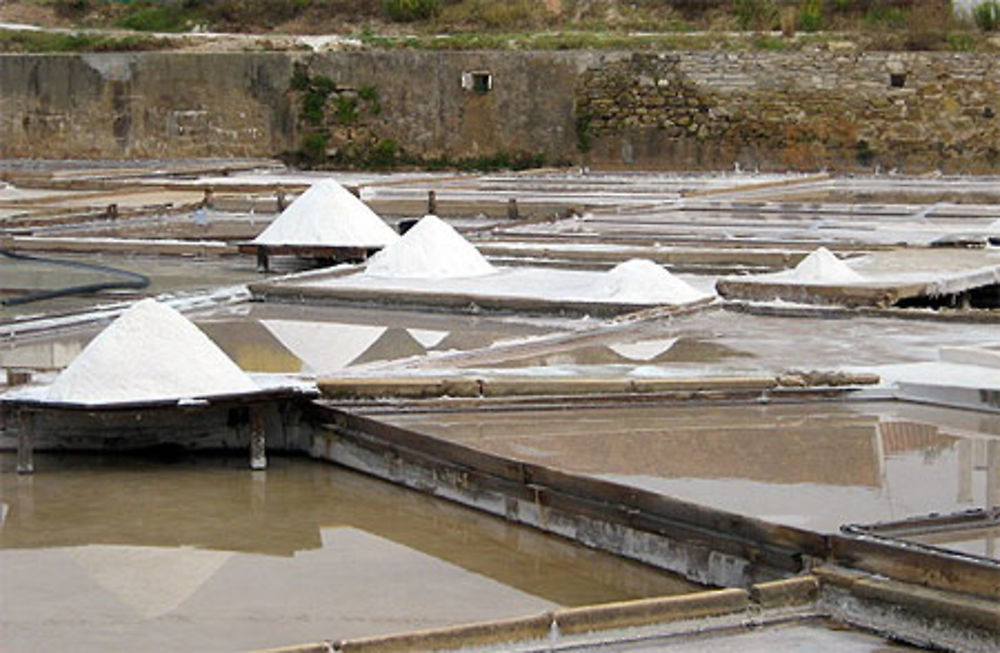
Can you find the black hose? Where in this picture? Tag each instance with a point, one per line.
(132, 280)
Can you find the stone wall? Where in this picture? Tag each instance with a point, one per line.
(830, 109)
(912, 111)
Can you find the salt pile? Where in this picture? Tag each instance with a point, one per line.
(821, 266)
(641, 281)
(328, 214)
(150, 353)
(432, 249)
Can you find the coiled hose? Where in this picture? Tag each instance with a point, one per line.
(132, 280)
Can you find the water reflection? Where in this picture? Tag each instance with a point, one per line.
(816, 466)
(309, 343)
(629, 353)
(194, 553)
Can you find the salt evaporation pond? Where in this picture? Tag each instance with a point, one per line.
(127, 553)
(814, 466)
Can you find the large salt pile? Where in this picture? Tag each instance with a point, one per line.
(151, 352)
(328, 214)
(432, 249)
(641, 281)
(821, 267)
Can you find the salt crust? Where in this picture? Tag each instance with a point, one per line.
(821, 266)
(150, 353)
(329, 215)
(431, 249)
(641, 281)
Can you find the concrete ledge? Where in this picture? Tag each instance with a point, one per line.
(566, 621)
(925, 601)
(316, 647)
(402, 387)
(707, 383)
(781, 593)
(414, 387)
(479, 634)
(554, 386)
(650, 611)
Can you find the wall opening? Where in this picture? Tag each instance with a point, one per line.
(477, 81)
(897, 80)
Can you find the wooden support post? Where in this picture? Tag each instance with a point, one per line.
(512, 209)
(258, 439)
(25, 442)
(432, 203)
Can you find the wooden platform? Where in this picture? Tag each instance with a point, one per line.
(137, 424)
(328, 253)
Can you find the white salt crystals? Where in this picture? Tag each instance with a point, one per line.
(641, 281)
(329, 215)
(150, 353)
(431, 249)
(821, 267)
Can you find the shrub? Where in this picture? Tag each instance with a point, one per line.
(987, 15)
(313, 149)
(156, 18)
(811, 16)
(756, 14)
(407, 11)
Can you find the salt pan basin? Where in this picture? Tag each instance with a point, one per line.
(507, 288)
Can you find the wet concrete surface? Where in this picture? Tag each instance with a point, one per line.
(720, 342)
(127, 553)
(815, 466)
(791, 637)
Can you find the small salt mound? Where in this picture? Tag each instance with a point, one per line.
(821, 266)
(328, 214)
(431, 249)
(150, 353)
(641, 281)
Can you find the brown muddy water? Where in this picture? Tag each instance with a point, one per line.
(815, 466)
(132, 553)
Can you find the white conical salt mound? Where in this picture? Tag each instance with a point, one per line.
(150, 353)
(431, 249)
(328, 214)
(821, 266)
(641, 281)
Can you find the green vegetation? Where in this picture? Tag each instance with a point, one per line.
(811, 16)
(347, 110)
(25, 41)
(369, 94)
(987, 15)
(154, 18)
(407, 11)
(573, 24)
(312, 150)
(756, 14)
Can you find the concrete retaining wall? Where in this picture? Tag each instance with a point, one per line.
(842, 110)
